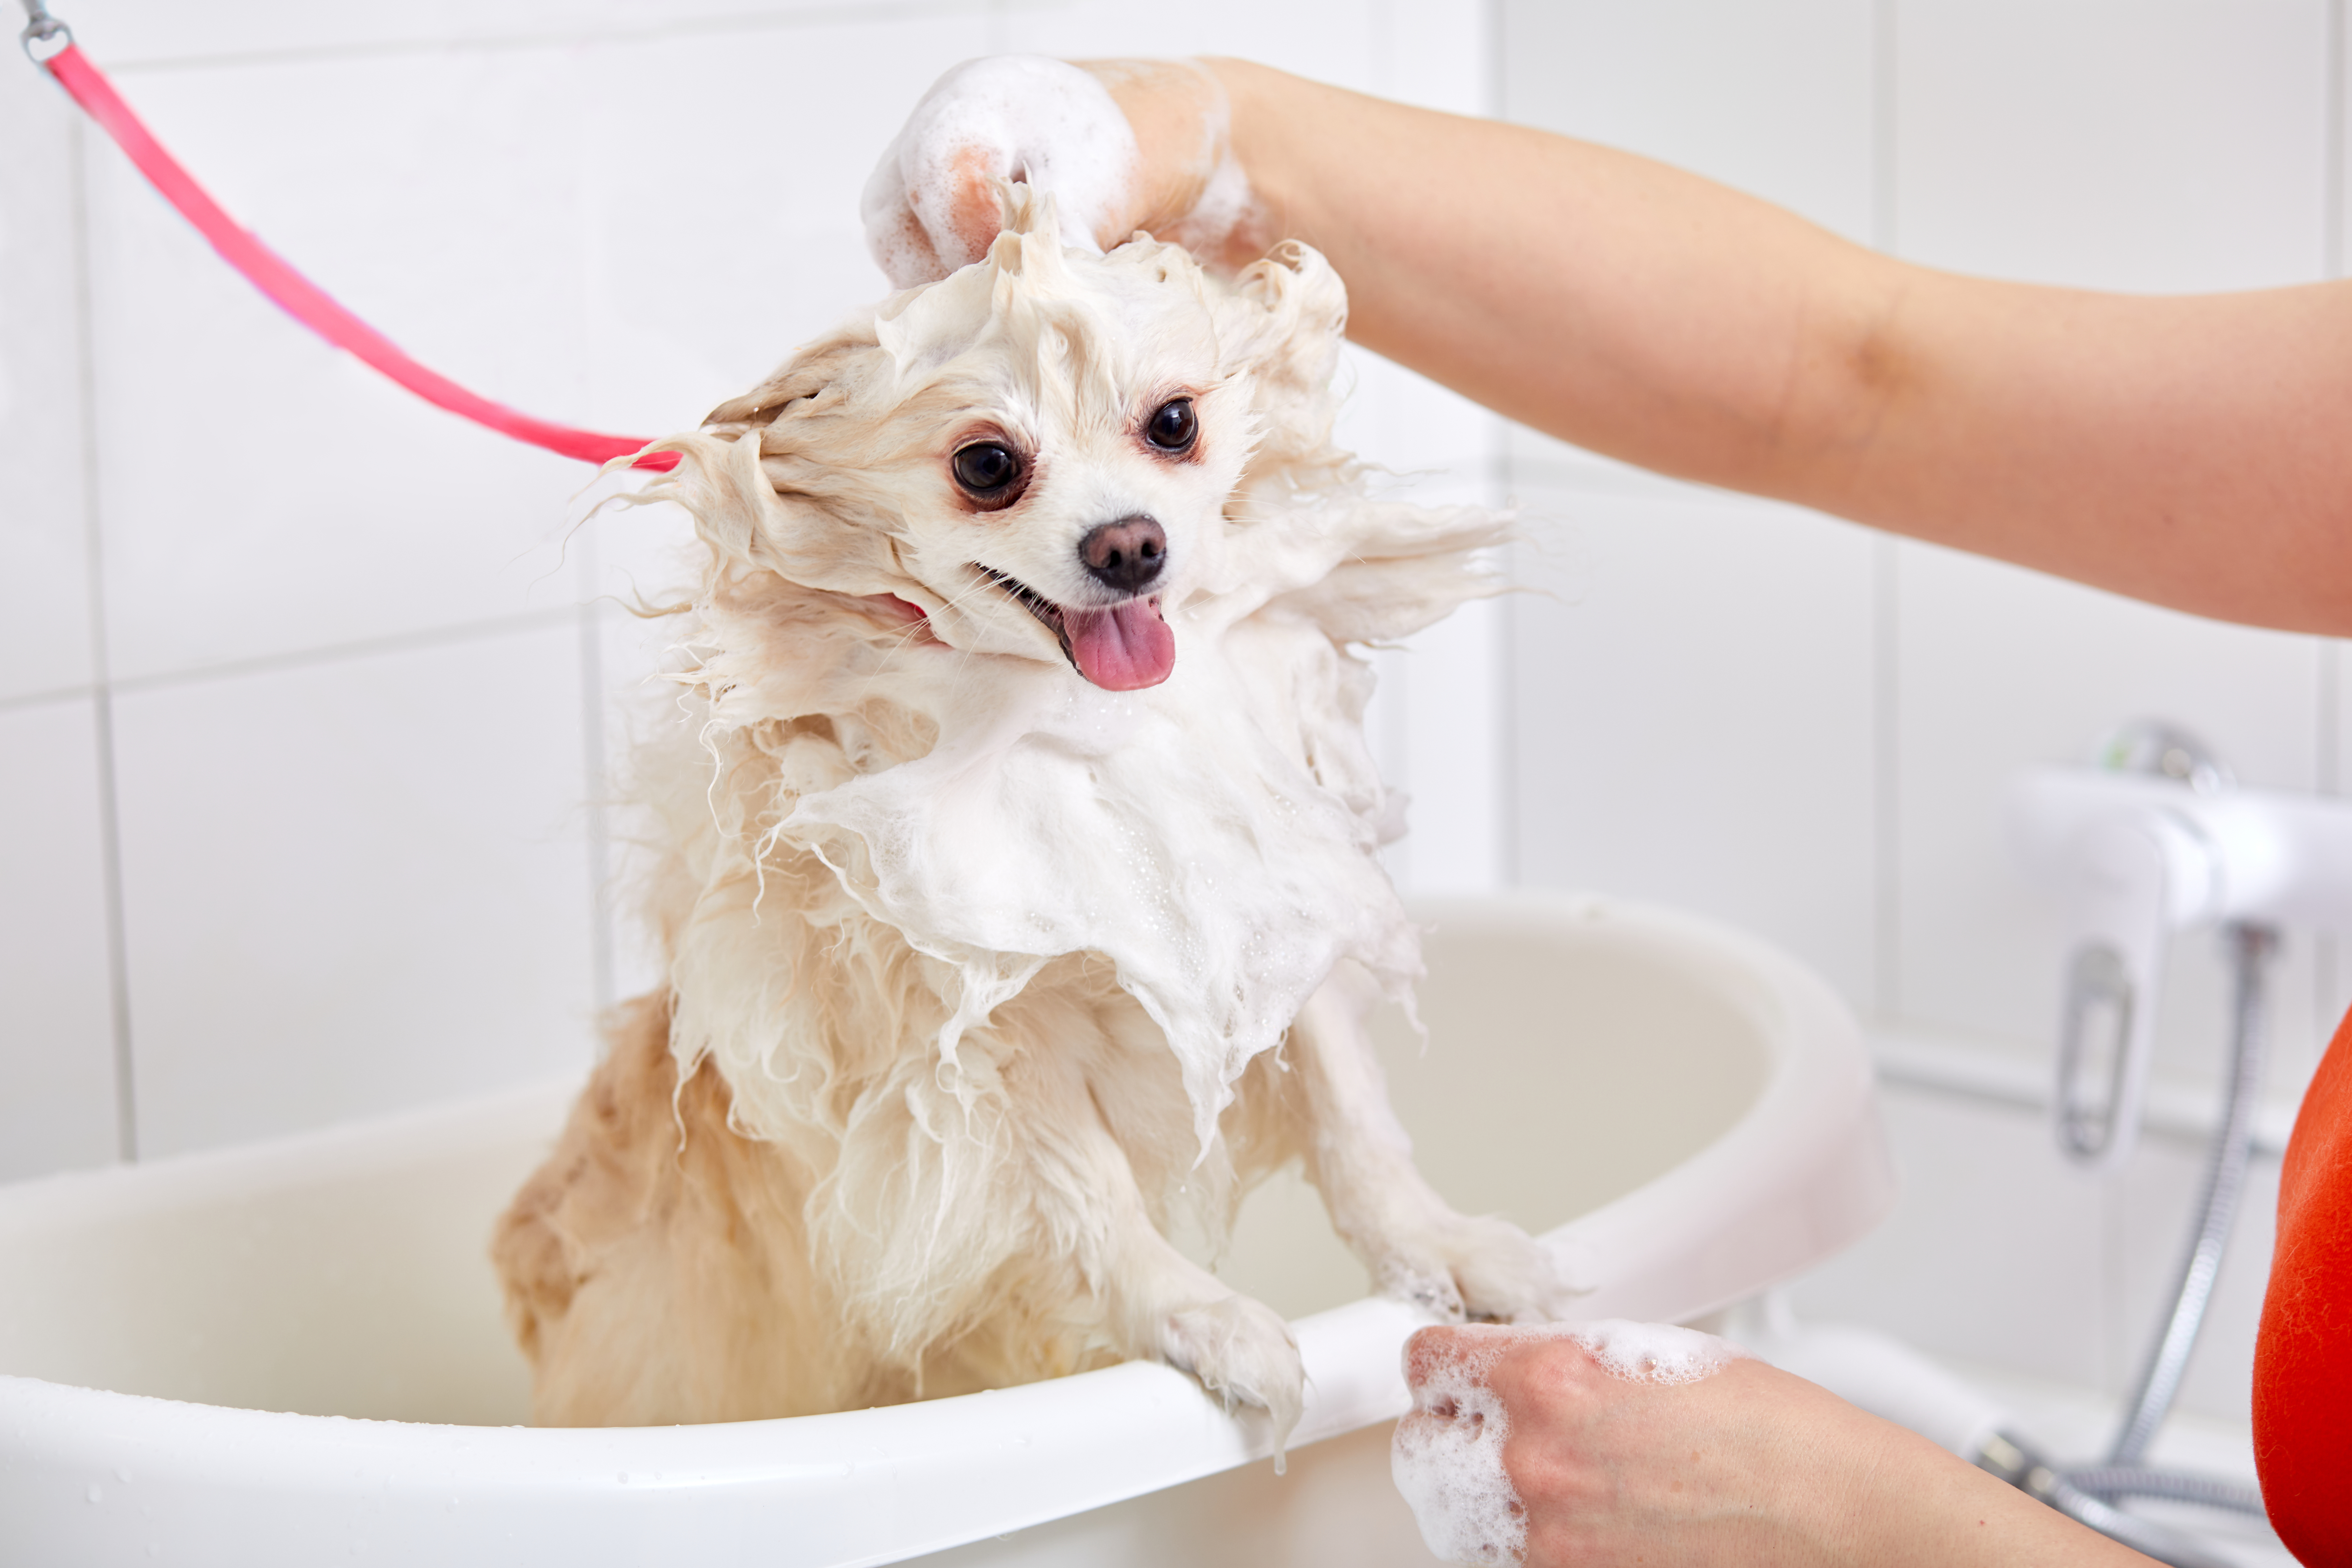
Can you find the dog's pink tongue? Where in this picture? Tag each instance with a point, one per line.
(1124, 648)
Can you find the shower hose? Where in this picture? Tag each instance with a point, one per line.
(2089, 1493)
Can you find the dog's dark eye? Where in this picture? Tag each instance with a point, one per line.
(986, 471)
(1172, 428)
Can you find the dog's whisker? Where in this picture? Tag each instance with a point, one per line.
(917, 629)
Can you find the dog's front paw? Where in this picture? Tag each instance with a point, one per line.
(1507, 1275)
(1480, 1268)
(1241, 1350)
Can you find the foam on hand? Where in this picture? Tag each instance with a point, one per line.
(1054, 126)
(1649, 1352)
(1447, 1457)
(1015, 117)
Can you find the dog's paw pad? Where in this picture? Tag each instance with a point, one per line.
(1242, 1351)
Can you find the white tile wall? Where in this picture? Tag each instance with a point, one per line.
(2337, 191)
(265, 494)
(360, 714)
(1779, 100)
(1333, 40)
(1692, 674)
(44, 635)
(2136, 144)
(722, 173)
(57, 1051)
(354, 884)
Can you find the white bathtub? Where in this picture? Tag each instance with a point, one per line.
(293, 1353)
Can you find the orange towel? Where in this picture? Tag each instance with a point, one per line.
(2303, 1357)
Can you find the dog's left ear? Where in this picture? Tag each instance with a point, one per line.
(1282, 326)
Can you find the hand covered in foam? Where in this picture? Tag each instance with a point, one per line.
(1615, 1443)
(1122, 145)
(1562, 1390)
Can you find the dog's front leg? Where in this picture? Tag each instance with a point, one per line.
(1155, 1302)
(1417, 1247)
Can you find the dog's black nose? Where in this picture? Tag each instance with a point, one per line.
(1127, 554)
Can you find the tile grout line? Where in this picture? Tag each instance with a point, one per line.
(2332, 154)
(110, 818)
(2327, 947)
(1884, 16)
(47, 697)
(1491, 90)
(1886, 795)
(337, 653)
(593, 771)
(1498, 495)
(1885, 565)
(1506, 643)
(587, 575)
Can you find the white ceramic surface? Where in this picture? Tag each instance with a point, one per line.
(188, 1343)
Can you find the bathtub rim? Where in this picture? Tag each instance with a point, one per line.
(1807, 1161)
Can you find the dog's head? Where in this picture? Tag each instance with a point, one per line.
(1037, 455)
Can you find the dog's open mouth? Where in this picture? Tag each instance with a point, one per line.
(1123, 647)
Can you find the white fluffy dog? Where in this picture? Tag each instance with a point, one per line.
(1021, 890)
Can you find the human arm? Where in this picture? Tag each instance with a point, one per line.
(1749, 1464)
(2196, 452)
(2192, 451)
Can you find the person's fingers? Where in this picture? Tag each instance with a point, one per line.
(1430, 1350)
(1447, 1454)
(963, 226)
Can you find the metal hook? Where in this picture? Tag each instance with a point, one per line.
(40, 29)
(2097, 983)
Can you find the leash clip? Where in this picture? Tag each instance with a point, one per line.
(41, 29)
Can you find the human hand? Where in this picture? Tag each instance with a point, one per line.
(1597, 1466)
(1122, 145)
(1744, 1465)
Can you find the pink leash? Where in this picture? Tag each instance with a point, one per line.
(296, 295)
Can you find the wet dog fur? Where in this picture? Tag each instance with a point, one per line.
(958, 1018)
